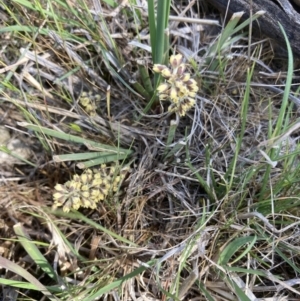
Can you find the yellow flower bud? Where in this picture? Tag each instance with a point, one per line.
(59, 187)
(97, 182)
(84, 101)
(183, 89)
(89, 108)
(74, 185)
(192, 94)
(101, 196)
(192, 85)
(97, 175)
(104, 191)
(181, 69)
(117, 179)
(166, 72)
(190, 101)
(88, 203)
(173, 94)
(176, 60)
(86, 194)
(185, 77)
(162, 88)
(158, 68)
(76, 178)
(76, 206)
(163, 96)
(95, 193)
(67, 208)
(84, 178)
(58, 196)
(112, 170)
(85, 188)
(93, 206)
(76, 200)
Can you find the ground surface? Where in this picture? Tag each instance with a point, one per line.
(209, 212)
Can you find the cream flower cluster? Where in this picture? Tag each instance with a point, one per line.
(89, 101)
(89, 188)
(178, 87)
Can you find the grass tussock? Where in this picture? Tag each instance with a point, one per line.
(208, 206)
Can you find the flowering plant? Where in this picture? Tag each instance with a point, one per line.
(89, 188)
(179, 88)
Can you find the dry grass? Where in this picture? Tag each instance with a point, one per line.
(200, 219)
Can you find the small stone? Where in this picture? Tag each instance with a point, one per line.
(4, 135)
(19, 149)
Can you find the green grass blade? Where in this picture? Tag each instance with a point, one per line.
(158, 35)
(289, 79)
(206, 293)
(245, 271)
(72, 138)
(18, 284)
(244, 117)
(102, 160)
(97, 158)
(78, 216)
(247, 22)
(163, 10)
(171, 135)
(118, 283)
(4, 149)
(282, 113)
(18, 28)
(143, 70)
(15, 268)
(33, 251)
(149, 105)
(28, 286)
(201, 180)
(141, 89)
(233, 247)
(226, 33)
(79, 156)
(152, 28)
(239, 292)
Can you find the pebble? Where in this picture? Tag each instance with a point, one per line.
(16, 146)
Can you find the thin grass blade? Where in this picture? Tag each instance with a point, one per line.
(102, 160)
(72, 138)
(15, 268)
(33, 251)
